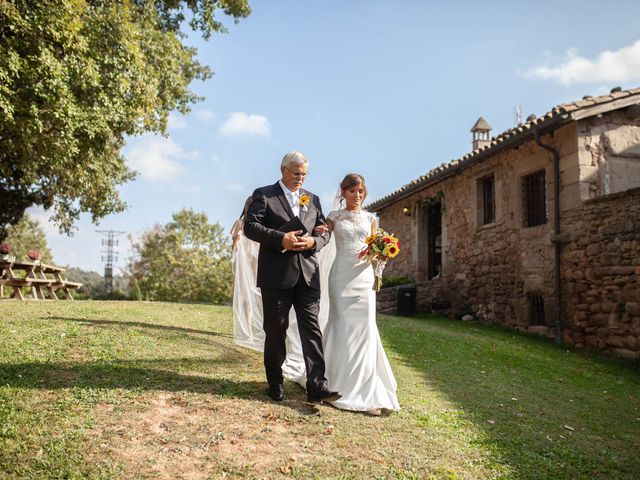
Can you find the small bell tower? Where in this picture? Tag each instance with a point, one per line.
(480, 133)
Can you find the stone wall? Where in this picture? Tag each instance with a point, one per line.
(386, 300)
(609, 154)
(488, 269)
(601, 274)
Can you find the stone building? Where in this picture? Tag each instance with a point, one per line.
(537, 228)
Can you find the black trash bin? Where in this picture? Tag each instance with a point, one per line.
(407, 300)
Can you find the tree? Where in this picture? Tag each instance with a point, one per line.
(76, 77)
(27, 235)
(93, 285)
(186, 260)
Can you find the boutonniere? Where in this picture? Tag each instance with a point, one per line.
(304, 201)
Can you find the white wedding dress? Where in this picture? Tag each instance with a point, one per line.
(356, 364)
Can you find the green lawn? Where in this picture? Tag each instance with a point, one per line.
(152, 390)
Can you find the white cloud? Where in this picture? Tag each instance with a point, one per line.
(242, 124)
(193, 154)
(43, 217)
(205, 115)
(619, 66)
(177, 121)
(156, 158)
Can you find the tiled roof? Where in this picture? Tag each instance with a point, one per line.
(560, 114)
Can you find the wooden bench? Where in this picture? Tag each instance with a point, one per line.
(66, 286)
(35, 278)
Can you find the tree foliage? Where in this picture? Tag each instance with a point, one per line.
(27, 235)
(186, 260)
(76, 77)
(94, 286)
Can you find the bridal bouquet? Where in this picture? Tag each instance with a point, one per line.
(380, 247)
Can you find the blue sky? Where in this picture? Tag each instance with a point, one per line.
(386, 90)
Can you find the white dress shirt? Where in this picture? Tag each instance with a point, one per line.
(292, 197)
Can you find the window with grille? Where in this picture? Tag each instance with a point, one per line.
(536, 310)
(488, 200)
(534, 199)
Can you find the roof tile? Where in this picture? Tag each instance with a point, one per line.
(496, 142)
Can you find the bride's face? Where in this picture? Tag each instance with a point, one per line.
(354, 197)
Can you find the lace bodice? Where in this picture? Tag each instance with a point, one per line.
(350, 228)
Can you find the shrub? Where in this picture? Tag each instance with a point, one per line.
(393, 280)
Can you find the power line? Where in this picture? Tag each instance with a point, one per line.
(109, 255)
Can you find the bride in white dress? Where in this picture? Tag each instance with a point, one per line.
(356, 364)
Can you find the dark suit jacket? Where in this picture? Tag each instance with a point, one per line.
(270, 210)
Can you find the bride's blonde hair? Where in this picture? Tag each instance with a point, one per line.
(349, 181)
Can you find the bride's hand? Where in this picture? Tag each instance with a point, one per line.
(320, 230)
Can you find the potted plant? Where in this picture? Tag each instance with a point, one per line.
(34, 254)
(5, 252)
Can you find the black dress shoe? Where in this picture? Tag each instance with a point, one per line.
(323, 395)
(276, 392)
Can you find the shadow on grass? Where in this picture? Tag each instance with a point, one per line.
(141, 375)
(541, 410)
(150, 326)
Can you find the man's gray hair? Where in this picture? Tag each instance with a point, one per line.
(293, 157)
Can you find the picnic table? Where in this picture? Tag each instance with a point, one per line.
(40, 277)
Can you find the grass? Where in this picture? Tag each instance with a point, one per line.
(152, 390)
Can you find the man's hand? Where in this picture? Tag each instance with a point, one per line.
(290, 240)
(304, 243)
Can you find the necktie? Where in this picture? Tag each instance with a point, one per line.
(293, 200)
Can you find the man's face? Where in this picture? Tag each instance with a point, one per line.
(293, 176)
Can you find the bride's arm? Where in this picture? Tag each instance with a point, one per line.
(374, 227)
(322, 229)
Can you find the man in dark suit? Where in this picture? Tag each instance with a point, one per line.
(288, 273)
